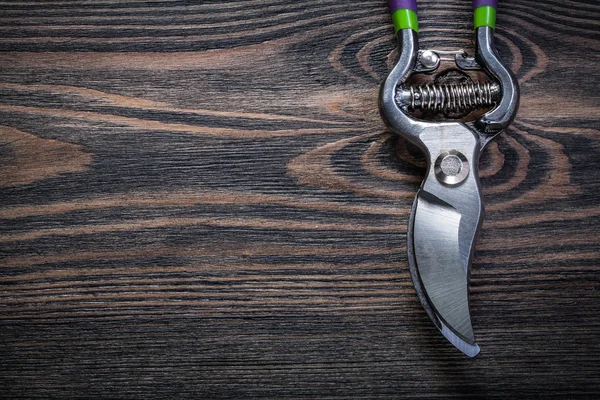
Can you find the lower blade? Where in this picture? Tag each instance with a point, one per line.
(439, 272)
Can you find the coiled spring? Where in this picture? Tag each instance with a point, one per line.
(463, 97)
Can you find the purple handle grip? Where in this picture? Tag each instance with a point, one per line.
(398, 4)
(483, 3)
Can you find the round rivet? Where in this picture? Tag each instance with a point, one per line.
(451, 167)
(429, 59)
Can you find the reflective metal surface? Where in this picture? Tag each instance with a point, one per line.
(448, 209)
(451, 167)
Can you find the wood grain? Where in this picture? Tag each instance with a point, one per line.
(199, 200)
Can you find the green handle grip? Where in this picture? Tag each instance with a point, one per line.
(404, 14)
(484, 13)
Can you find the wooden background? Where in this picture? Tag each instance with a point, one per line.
(199, 200)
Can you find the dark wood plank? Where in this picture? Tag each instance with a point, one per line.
(199, 200)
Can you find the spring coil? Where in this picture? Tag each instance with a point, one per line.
(464, 97)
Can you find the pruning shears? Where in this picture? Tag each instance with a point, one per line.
(448, 209)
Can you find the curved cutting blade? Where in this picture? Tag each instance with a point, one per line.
(440, 242)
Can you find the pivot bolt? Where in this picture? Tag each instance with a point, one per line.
(451, 167)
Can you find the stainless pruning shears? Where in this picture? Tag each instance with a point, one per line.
(448, 210)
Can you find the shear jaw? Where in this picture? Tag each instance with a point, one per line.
(448, 210)
(445, 218)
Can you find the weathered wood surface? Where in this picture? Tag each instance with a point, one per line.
(200, 200)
